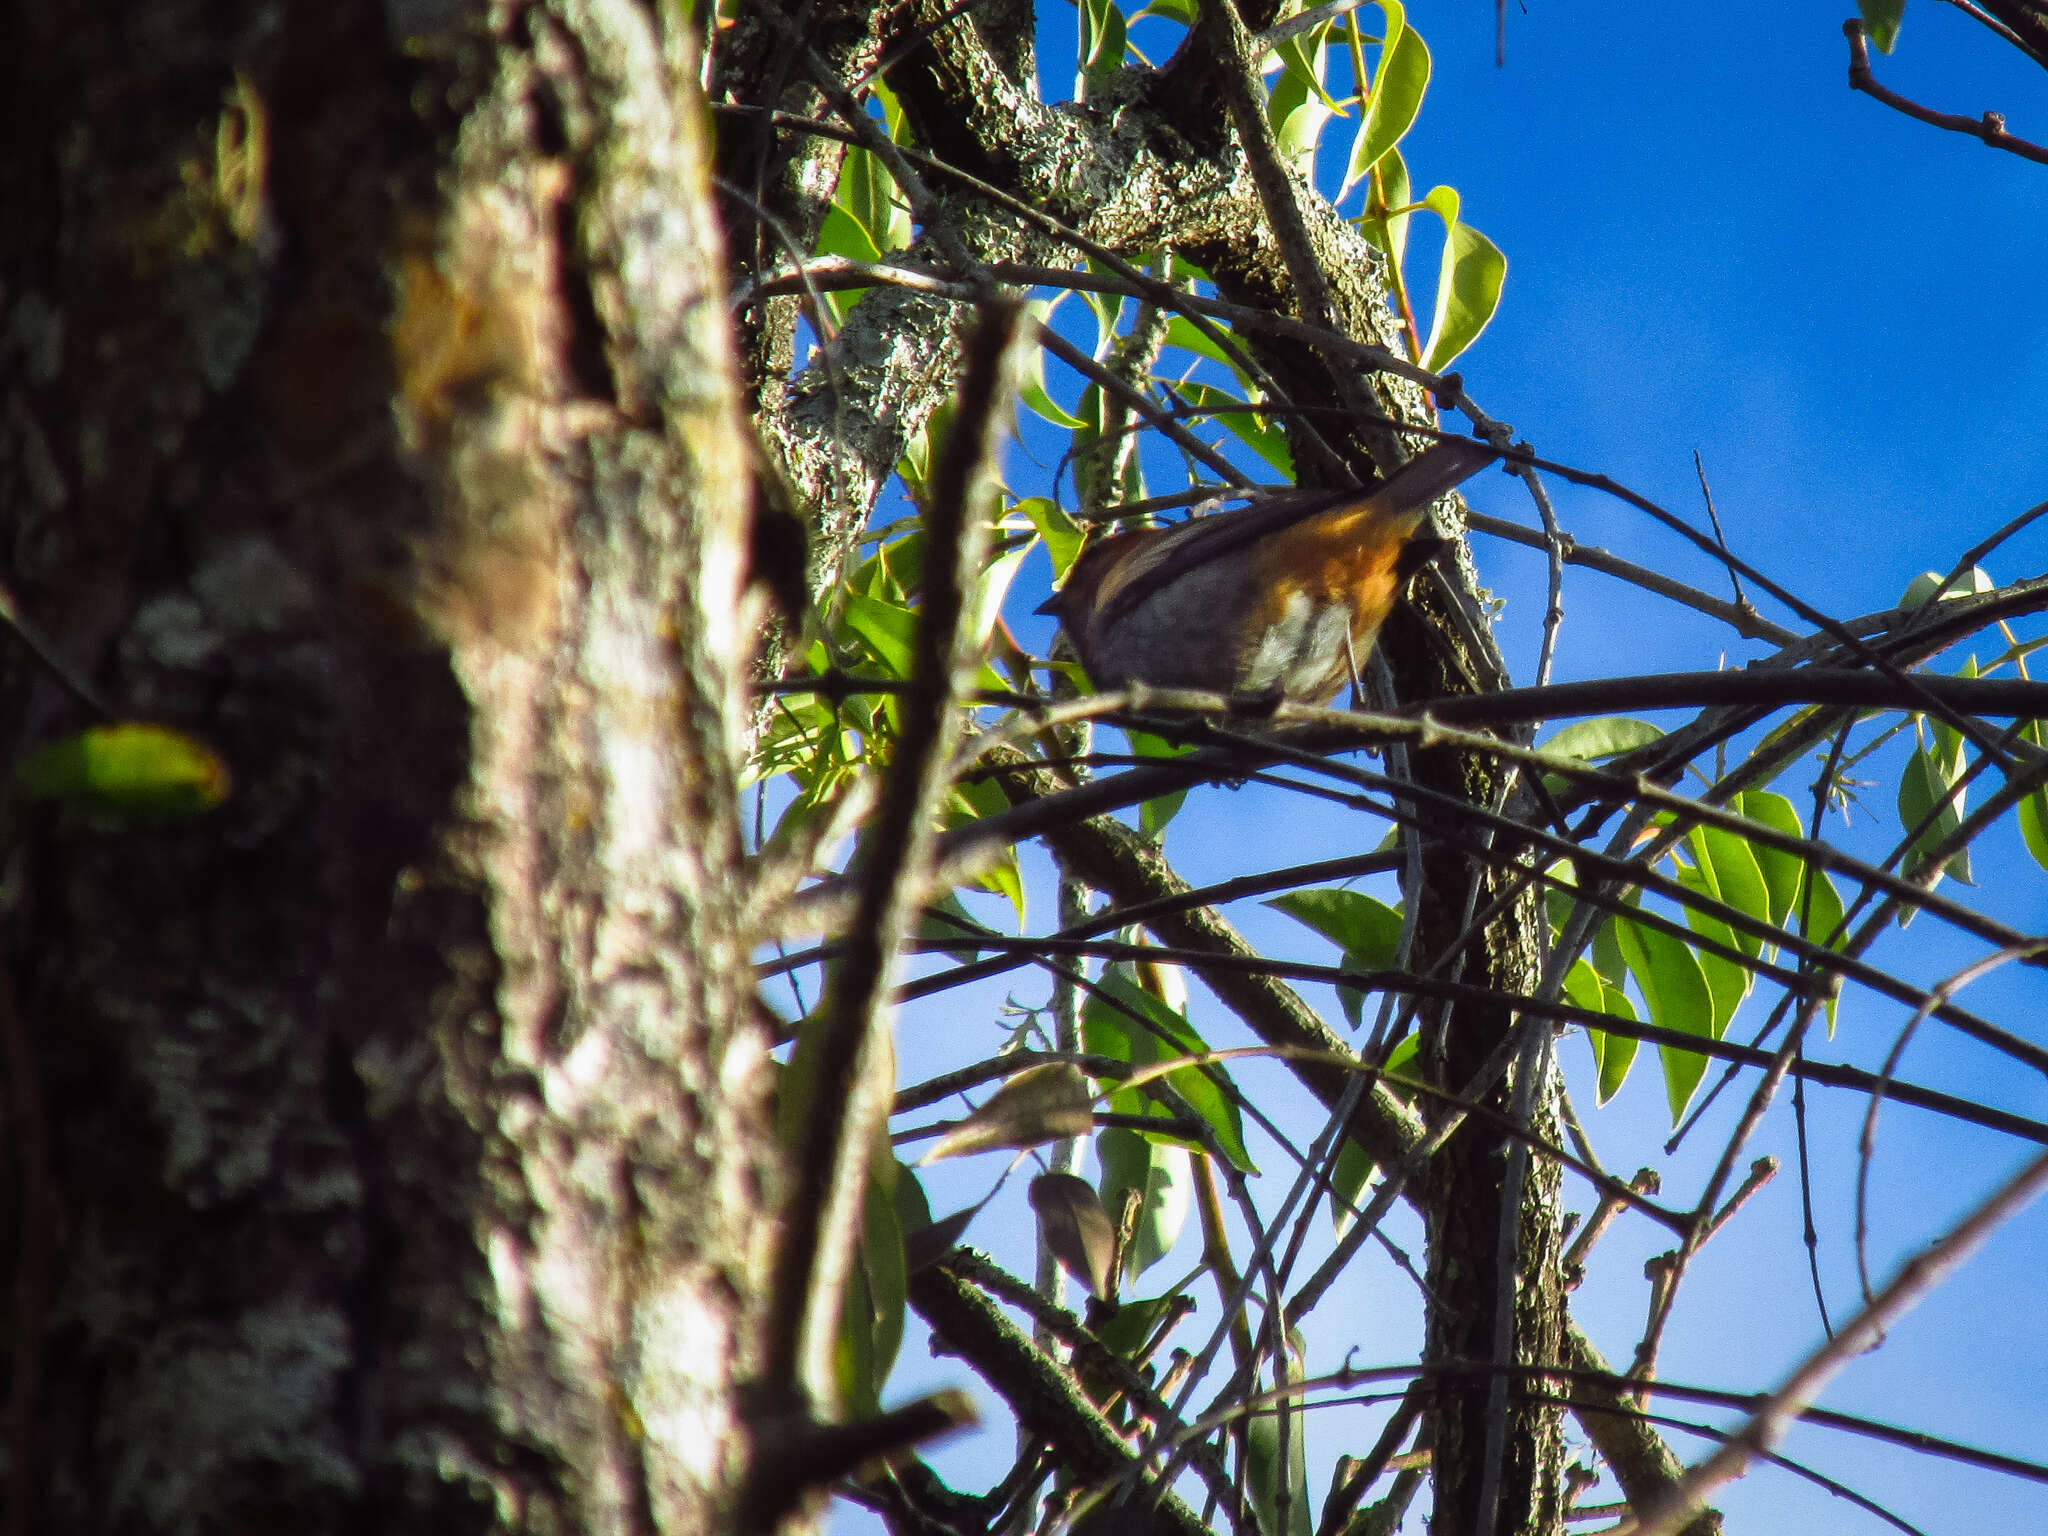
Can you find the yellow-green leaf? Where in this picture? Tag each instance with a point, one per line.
(1468, 284)
(132, 768)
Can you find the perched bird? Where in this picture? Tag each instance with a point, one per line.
(1283, 598)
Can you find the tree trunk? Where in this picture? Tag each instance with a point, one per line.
(399, 1148)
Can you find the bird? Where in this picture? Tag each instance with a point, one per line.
(1279, 600)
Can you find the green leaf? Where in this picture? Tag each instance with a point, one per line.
(868, 194)
(991, 588)
(842, 235)
(1181, 332)
(1003, 876)
(1299, 107)
(1394, 102)
(1594, 741)
(1268, 441)
(934, 928)
(853, 1385)
(913, 1209)
(1159, 1173)
(1130, 1327)
(1823, 905)
(1613, 1055)
(1727, 982)
(1361, 925)
(1928, 777)
(1921, 589)
(882, 1252)
(1102, 47)
(1676, 992)
(1155, 813)
(1262, 1462)
(1781, 871)
(1347, 1182)
(1468, 284)
(131, 769)
(1881, 20)
(888, 632)
(2033, 810)
(1107, 1029)
(1364, 927)
(1734, 878)
(1031, 386)
(1063, 536)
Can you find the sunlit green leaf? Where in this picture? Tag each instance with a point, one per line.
(1727, 982)
(130, 769)
(990, 591)
(882, 1252)
(1734, 878)
(1780, 871)
(1299, 107)
(1155, 813)
(1347, 1182)
(1031, 386)
(1921, 589)
(1613, 1054)
(1396, 97)
(1594, 741)
(1264, 438)
(970, 800)
(1667, 970)
(1468, 284)
(1130, 1327)
(1387, 227)
(1063, 536)
(1182, 332)
(1364, 927)
(1101, 47)
(888, 632)
(1924, 785)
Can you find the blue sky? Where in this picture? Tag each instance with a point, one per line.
(1715, 245)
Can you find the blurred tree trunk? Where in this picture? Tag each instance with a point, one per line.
(367, 409)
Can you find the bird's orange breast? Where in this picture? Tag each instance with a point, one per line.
(1343, 557)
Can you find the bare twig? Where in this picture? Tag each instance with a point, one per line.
(1713, 516)
(1915, 1279)
(1866, 1143)
(1990, 128)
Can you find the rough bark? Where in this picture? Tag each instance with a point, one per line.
(369, 411)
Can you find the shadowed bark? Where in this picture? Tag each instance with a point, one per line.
(370, 413)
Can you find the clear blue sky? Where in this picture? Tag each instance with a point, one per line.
(1715, 245)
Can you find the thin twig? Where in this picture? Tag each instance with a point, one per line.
(1866, 1142)
(1990, 128)
(1917, 1277)
(1699, 466)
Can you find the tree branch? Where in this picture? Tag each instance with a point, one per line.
(1990, 128)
